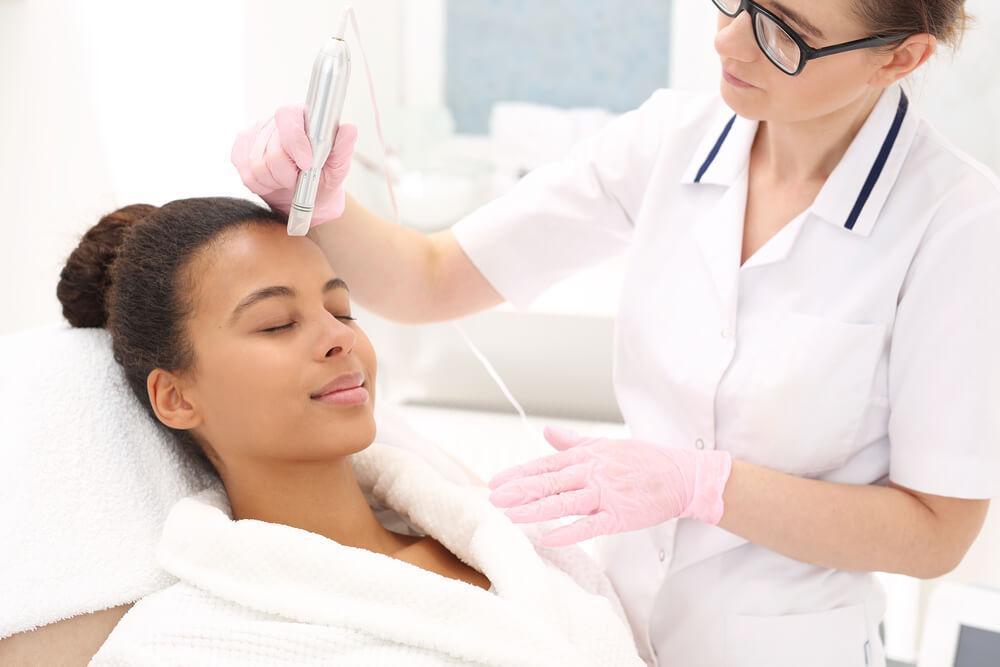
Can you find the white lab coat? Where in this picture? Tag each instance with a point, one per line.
(858, 345)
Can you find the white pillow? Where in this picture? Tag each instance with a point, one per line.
(87, 480)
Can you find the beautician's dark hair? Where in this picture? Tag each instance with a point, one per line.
(947, 20)
(130, 273)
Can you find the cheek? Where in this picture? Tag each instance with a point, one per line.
(826, 85)
(365, 352)
(247, 382)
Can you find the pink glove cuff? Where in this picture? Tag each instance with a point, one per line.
(711, 475)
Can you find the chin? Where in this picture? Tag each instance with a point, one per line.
(359, 431)
(344, 438)
(742, 106)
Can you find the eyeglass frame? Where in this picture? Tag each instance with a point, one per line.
(807, 52)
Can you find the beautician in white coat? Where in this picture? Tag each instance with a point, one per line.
(808, 345)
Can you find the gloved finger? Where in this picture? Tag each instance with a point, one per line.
(526, 490)
(553, 463)
(582, 502)
(258, 166)
(578, 531)
(291, 123)
(331, 208)
(339, 162)
(280, 165)
(240, 154)
(562, 438)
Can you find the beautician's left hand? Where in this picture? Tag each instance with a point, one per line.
(617, 485)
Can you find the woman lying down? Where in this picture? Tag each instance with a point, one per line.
(325, 546)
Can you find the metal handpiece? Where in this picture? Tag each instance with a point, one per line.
(324, 105)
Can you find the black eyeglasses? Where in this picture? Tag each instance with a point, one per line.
(782, 45)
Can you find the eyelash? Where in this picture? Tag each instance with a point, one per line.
(290, 324)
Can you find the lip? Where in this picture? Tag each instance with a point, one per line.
(739, 83)
(342, 383)
(356, 396)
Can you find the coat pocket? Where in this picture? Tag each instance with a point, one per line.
(798, 389)
(834, 638)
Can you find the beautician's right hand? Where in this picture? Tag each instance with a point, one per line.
(271, 154)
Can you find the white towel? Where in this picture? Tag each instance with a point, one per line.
(252, 592)
(87, 479)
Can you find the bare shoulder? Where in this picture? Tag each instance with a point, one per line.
(73, 641)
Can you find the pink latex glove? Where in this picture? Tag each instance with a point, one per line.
(271, 154)
(617, 485)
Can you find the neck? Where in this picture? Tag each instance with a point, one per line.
(322, 497)
(808, 151)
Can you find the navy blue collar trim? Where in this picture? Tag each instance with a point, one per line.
(715, 150)
(873, 175)
(883, 156)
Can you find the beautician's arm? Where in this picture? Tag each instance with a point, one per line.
(401, 274)
(861, 528)
(70, 642)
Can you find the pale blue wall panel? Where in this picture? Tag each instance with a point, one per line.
(568, 53)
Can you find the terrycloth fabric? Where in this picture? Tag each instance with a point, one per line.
(88, 479)
(252, 592)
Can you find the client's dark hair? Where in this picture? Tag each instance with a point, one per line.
(130, 274)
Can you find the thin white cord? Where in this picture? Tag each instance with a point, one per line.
(495, 375)
(349, 13)
(342, 24)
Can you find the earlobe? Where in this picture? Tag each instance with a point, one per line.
(166, 396)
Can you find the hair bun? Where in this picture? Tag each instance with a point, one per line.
(86, 278)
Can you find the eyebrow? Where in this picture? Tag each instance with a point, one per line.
(275, 291)
(802, 23)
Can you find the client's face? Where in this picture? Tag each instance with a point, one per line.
(272, 331)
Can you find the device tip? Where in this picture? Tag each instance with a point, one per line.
(299, 222)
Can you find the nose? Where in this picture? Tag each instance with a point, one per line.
(734, 39)
(336, 337)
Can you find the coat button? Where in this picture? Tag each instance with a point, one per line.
(726, 333)
(699, 443)
(663, 555)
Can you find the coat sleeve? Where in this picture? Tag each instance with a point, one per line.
(944, 363)
(571, 214)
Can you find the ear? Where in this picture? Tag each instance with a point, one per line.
(905, 59)
(166, 395)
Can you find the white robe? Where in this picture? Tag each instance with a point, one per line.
(252, 592)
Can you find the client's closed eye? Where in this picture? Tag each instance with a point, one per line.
(291, 324)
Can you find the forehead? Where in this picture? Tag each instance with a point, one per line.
(248, 258)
